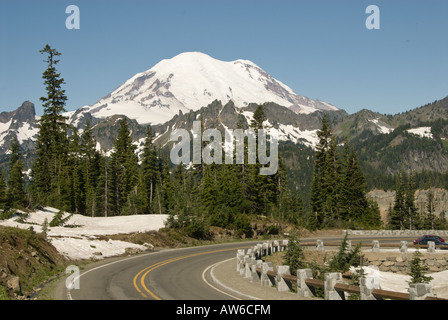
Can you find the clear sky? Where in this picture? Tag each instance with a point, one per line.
(321, 49)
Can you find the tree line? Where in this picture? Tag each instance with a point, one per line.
(403, 214)
(70, 174)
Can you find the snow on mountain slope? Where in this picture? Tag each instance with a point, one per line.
(192, 80)
(287, 132)
(424, 132)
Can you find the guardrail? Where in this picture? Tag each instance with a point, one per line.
(250, 265)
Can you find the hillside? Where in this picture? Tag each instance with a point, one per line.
(27, 259)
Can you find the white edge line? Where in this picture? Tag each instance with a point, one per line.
(221, 284)
(104, 265)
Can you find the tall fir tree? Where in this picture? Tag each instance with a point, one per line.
(52, 142)
(397, 214)
(150, 171)
(15, 191)
(318, 196)
(411, 210)
(124, 168)
(90, 168)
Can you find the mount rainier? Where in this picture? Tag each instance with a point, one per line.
(193, 80)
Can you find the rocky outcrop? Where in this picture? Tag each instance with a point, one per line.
(385, 200)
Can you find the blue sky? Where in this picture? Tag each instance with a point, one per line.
(321, 49)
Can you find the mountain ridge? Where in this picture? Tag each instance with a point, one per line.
(192, 80)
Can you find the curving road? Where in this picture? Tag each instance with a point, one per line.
(174, 274)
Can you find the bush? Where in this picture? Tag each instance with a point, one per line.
(196, 229)
(294, 256)
(344, 259)
(221, 218)
(58, 219)
(3, 293)
(242, 226)
(418, 270)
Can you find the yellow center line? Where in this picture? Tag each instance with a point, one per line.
(144, 272)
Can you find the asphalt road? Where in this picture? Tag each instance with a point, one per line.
(172, 274)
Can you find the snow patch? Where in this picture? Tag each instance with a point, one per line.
(382, 128)
(424, 132)
(78, 238)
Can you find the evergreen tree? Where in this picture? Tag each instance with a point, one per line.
(318, 192)
(294, 255)
(418, 269)
(71, 178)
(430, 209)
(124, 167)
(330, 187)
(15, 191)
(150, 168)
(104, 188)
(52, 142)
(256, 184)
(398, 213)
(411, 210)
(90, 168)
(3, 198)
(353, 202)
(167, 190)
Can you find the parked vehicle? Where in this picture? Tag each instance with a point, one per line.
(424, 240)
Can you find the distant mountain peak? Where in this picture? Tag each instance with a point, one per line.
(192, 80)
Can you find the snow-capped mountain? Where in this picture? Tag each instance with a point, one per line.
(20, 123)
(193, 80)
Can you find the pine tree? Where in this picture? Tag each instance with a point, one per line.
(104, 190)
(398, 213)
(124, 167)
(3, 199)
(353, 201)
(257, 186)
(430, 209)
(330, 187)
(418, 269)
(150, 168)
(90, 168)
(318, 192)
(52, 142)
(411, 210)
(15, 191)
(167, 190)
(294, 255)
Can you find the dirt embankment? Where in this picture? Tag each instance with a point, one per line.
(26, 260)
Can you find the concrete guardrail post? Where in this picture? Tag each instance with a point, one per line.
(254, 277)
(247, 270)
(266, 281)
(431, 247)
(320, 245)
(419, 291)
(375, 246)
(349, 246)
(239, 259)
(404, 247)
(331, 279)
(303, 290)
(243, 264)
(275, 246)
(281, 284)
(366, 286)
